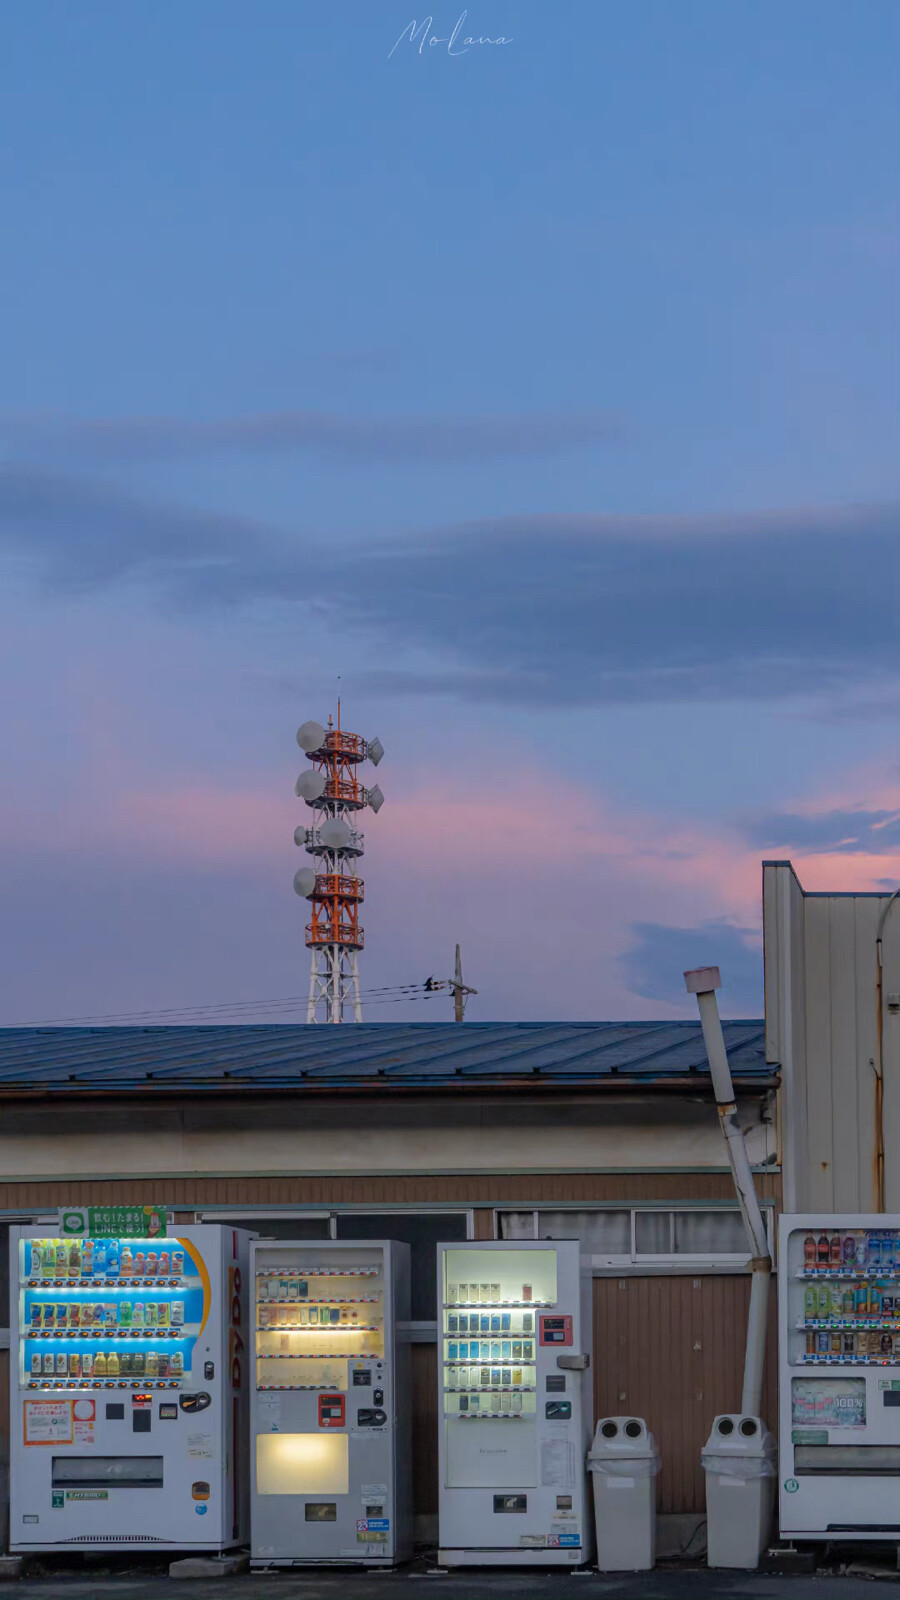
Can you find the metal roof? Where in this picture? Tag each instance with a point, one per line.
(372, 1056)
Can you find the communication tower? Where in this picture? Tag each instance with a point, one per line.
(331, 788)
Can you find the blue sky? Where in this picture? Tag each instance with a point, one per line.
(548, 393)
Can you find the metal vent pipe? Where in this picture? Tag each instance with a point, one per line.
(703, 982)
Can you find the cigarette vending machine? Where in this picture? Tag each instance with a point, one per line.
(128, 1390)
(839, 1347)
(331, 1417)
(515, 1415)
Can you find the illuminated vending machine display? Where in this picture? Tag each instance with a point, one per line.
(129, 1379)
(515, 1415)
(331, 1415)
(839, 1347)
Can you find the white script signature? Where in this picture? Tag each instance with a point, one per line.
(421, 32)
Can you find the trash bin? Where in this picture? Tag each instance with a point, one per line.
(623, 1462)
(739, 1459)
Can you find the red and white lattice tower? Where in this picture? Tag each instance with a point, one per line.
(331, 787)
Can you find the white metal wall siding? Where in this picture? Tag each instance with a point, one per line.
(821, 1024)
(840, 1051)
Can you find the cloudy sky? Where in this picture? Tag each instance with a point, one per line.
(545, 392)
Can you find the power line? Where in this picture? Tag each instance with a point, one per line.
(388, 993)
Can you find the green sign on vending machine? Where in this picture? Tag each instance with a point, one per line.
(113, 1222)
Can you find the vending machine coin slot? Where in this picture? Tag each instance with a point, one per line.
(558, 1410)
(194, 1402)
(331, 1411)
(209, 1370)
(371, 1418)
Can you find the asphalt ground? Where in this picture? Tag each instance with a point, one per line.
(92, 1580)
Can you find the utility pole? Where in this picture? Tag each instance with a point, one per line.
(460, 990)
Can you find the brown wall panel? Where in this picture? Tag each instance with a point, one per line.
(425, 1429)
(541, 1189)
(671, 1350)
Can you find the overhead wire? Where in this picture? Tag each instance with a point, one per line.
(386, 995)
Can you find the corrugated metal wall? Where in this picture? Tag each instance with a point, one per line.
(821, 1026)
(671, 1350)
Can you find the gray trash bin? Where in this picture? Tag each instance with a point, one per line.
(623, 1462)
(739, 1459)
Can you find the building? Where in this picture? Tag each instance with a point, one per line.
(832, 965)
(602, 1131)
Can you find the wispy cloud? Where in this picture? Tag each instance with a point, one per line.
(400, 438)
(837, 832)
(550, 610)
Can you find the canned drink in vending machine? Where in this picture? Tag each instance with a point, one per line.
(823, 1344)
(849, 1344)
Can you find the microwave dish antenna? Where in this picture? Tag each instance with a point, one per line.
(310, 786)
(310, 737)
(334, 937)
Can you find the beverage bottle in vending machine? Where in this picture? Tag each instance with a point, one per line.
(835, 1250)
(809, 1250)
(823, 1251)
(848, 1250)
(847, 1302)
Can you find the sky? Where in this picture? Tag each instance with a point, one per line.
(539, 395)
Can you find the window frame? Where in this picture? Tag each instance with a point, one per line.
(667, 1263)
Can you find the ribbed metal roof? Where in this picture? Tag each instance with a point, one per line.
(420, 1055)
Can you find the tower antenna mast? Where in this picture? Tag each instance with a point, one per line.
(331, 788)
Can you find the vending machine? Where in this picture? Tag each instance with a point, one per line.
(515, 1416)
(839, 1346)
(331, 1416)
(128, 1389)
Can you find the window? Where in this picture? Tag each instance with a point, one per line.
(600, 1232)
(276, 1227)
(637, 1235)
(422, 1233)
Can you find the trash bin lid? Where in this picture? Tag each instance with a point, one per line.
(622, 1439)
(737, 1434)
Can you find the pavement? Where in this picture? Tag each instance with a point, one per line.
(93, 1579)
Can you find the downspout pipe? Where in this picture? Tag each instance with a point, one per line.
(703, 982)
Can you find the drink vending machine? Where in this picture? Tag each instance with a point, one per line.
(128, 1391)
(331, 1417)
(515, 1412)
(839, 1347)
